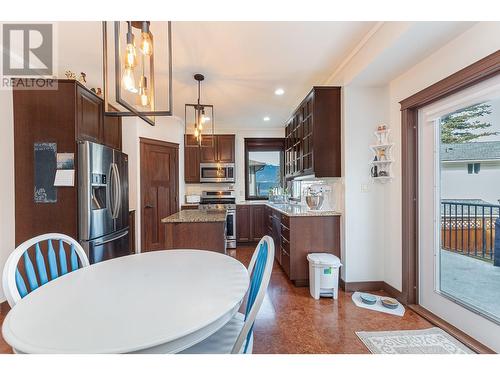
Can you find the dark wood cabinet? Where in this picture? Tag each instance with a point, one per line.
(219, 148)
(296, 236)
(251, 223)
(112, 131)
(243, 220)
(62, 116)
(276, 234)
(257, 219)
(189, 207)
(131, 237)
(312, 135)
(225, 148)
(191, 159)
(208, 149)
(89, 115)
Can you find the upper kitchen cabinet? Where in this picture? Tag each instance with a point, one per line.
(89, 115)
(313, 143)
(214, 149)
(191, 159)
(225, 148)
(91, 123)
(217, 149)
(208, 149)
(112, 131)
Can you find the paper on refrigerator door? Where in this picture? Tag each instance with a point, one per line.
(65, 177)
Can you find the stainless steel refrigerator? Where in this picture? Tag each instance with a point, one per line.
(103, 201)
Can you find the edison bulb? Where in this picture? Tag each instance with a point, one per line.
(143, 92)
(130, 56)
(128, 80)
(144, 99)
(146, 44)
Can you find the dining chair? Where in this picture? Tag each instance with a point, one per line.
(13, 282)
(236, 337)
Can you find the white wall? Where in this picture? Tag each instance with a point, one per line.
(76, 50)
(364, 226)
(457, 183)
(240, 135)
(168, 129)
(474, 44)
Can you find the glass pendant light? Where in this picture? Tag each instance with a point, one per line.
(143, 91)
(147, 41)
(128, 79)
(130, 52)
(200, 118)
(199, 110)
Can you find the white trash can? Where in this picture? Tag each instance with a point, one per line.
(323, 275)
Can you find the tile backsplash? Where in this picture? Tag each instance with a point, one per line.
(332, 189)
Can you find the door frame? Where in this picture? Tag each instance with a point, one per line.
(154, 142)
(479, 71)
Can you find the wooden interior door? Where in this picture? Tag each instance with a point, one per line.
(159, 190)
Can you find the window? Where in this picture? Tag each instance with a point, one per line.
(263, 166)
(473, 168)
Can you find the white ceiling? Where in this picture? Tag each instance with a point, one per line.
(244, 62)
(418, 42)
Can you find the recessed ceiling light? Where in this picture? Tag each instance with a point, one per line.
(267, 118)
(279, 91)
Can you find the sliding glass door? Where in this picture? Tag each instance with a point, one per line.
(459, 195)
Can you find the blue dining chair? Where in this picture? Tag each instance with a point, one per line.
(14, 284)
(236, 337)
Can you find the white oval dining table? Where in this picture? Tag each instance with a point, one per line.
(161, 301)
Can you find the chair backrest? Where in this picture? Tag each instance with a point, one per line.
(259, 269)
(14, 284)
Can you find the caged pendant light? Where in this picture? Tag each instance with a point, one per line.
(199, 118)
(133, 72)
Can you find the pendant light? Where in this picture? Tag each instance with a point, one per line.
(147, 41)
(201, 120)
(134, 90)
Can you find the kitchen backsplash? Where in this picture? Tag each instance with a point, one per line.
(333, 195)
(333, 192)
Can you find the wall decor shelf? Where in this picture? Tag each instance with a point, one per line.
(381, 164)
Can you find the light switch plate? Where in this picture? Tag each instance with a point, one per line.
(365, 188)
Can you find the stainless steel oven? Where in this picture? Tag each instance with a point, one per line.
(222, 200)
(217, 172)
(231, 228)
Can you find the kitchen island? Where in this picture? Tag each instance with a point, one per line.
(196, 229)
(295, 230)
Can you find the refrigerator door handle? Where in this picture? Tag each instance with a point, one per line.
(119, 191)
(113, 189)
(111, 239)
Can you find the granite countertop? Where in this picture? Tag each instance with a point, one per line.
(293, 209)
(196, 216)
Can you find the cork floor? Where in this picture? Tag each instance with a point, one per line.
(290, 321)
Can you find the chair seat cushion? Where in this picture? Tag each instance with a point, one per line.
(222, 341)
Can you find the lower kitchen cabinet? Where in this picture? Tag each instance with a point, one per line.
(296, 236)
(243, 232)
(250, 222)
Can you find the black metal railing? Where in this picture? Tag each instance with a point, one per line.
(468, 227)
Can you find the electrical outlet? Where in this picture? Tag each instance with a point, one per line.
(365, 188)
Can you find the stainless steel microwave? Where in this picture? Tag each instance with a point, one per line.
(217, 172)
